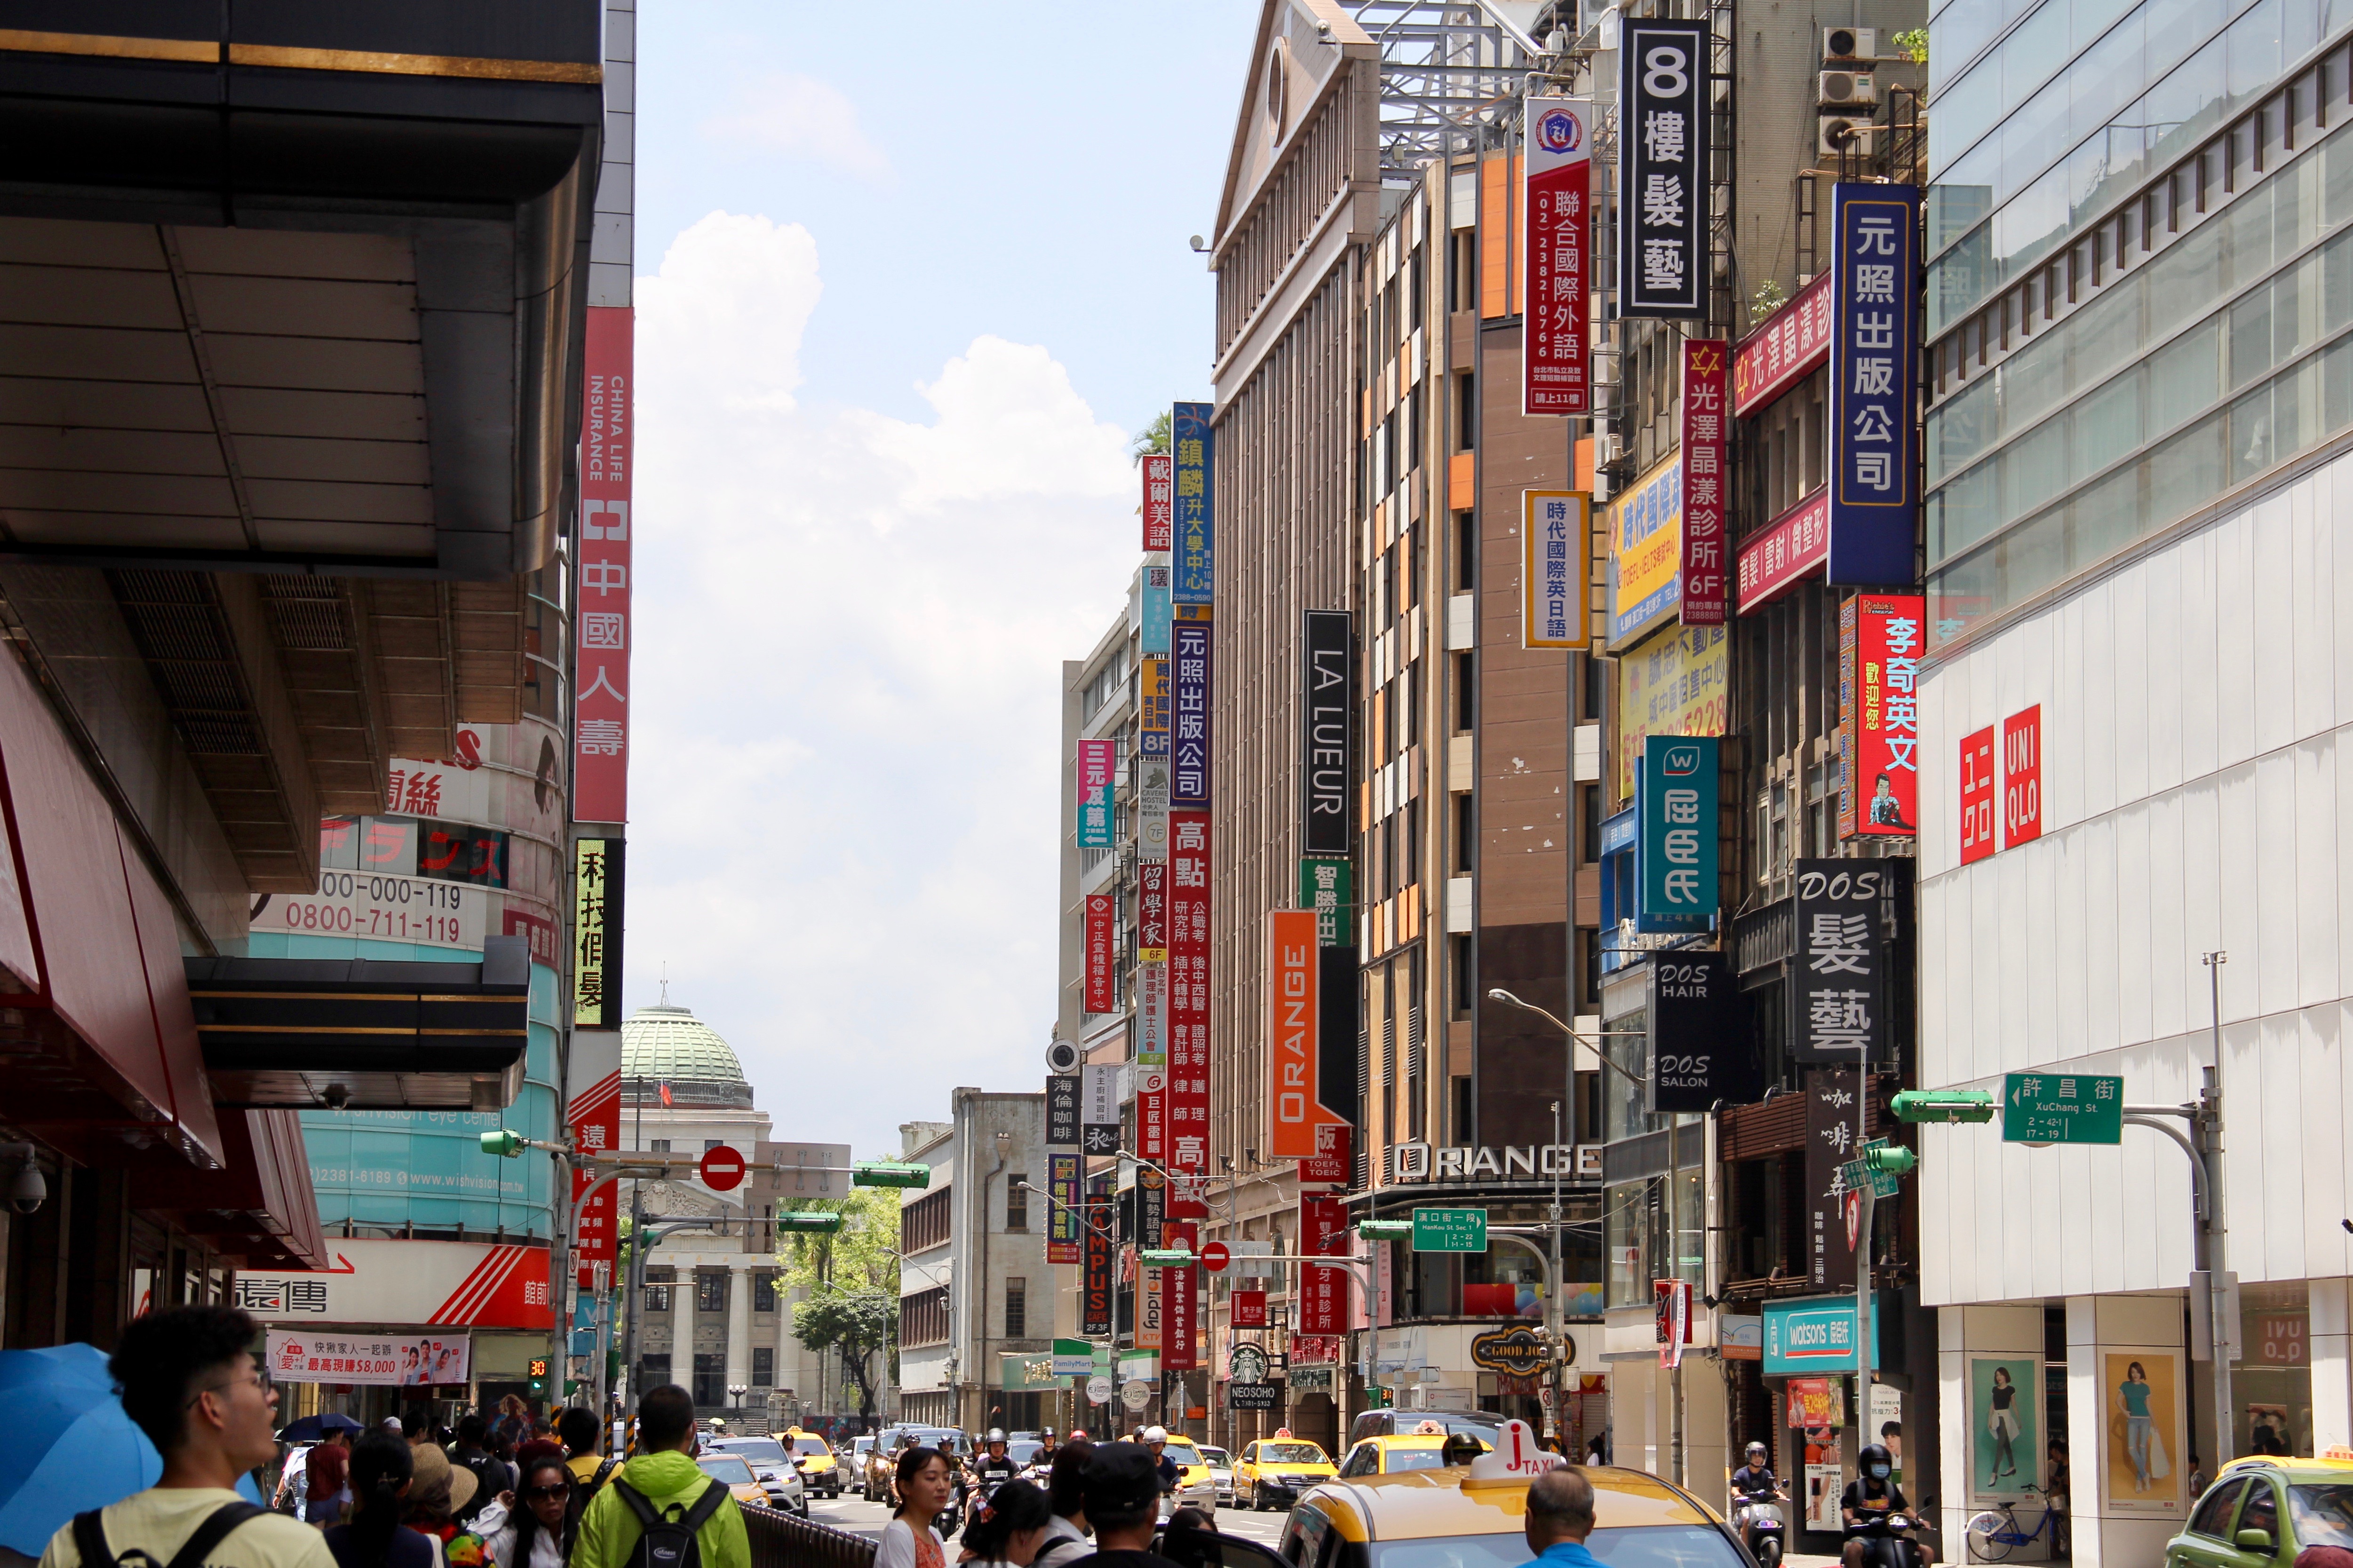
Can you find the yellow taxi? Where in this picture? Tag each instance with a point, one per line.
(1423, 1448)
(815, 1458)
(2262, 1510)
(1195, 1487)
(1474, 1517)
(1273, 1471)
(736, 1471)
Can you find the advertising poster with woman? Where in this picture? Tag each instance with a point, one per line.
(2141, 1399)
(2005, 1428)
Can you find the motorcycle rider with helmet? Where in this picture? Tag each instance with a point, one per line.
(1155, 1443)
(1873, 1509)
(1753, 1484)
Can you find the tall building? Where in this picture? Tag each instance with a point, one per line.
(2138, 390)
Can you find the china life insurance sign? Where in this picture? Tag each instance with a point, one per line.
(1677, 850)
(1556, 378)
(1874, 374)
(1662, 168)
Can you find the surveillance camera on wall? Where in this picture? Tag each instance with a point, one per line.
(1062, 1057)
(28, 1190)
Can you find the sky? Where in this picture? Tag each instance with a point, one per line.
(904, 296)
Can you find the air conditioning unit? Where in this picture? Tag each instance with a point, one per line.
(1846, 89)
(1850, 44)
(1843, 134)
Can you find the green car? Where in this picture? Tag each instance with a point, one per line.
(2261, 1511)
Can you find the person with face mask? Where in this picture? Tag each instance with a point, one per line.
(1871, 1500)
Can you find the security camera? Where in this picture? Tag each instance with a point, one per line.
(28, 1190)
(337, 1096)
(1062, 1057)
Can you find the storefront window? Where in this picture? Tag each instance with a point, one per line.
(1623, 1093)
(1626, 1233)
(2273, 1383)
(1687, 1247)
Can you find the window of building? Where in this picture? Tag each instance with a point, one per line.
(1017, 1307)
(1461, 982)
(1466, 552)
(710, 1143)
(764, 1293)
(763, 1367)
(653, 1371)
(1466, 413)
(1588, 803)
(659, 1146)
(1016, 1201)
(711, 1292)
(1466, 697)
(924, 1223)
(658, 1297)
(710, 1378)
(1466, 834)
(923, 1318)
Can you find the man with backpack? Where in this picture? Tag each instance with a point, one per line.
(492, 1474)
(659, 1510)
(190, 1384)
(577, 1429)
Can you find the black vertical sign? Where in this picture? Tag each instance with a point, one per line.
(1662, 196)
(1094, 1293)
(1063, 1111)
(1837, 981)
(1326, 742)
(598, 869)
(1831, 1135)
(1701, 1051)
(1151, 1206)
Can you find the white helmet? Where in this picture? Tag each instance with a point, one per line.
(997, 1434)
(1155, 1433)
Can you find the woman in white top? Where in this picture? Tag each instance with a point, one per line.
(909, 1540)
(538, 1534)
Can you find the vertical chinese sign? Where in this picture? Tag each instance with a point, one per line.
(1880, 640)
(1676, 849)
(1662, 200)
(1094, 1286)
(1096, 760)
(1323, 1292)
(1100, 946)
(1063, 1244)
(1190, 444)
(597, 901)
(1151, 708)
(1189, 992)
(1829, 1142)
(593, 1109)
(1178, 1298)
(1838, 994)
(1152, 916)
(1159, 502)
(1556, 566)
(1976, 796)
(600, 788)
(1707, 481)
(1188, 781)
(1555, 377)
(1874, 380)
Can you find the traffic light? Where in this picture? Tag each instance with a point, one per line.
(1944, 1105)
(1177, 1257)
(813, 1221)
(538, 1372)
(1384, 1229)
(889, 1173)
(503, 1143)
(1891, 1159)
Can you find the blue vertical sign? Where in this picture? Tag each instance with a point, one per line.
(1155, 606)
(1189, 775)
(1190, 442)
(1875, 382)
(1676, 884)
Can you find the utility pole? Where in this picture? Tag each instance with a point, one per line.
(1556, 1314)
(2218, 1288)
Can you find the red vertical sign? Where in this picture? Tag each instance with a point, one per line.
(2021, 776)
(1179, 1301)
(1879, 639)
(1099, 953)
(1294, 988)
(1189, 992)
(1249, 1309)
(1323, 1293)
(1159, 504)
(1554, 373)
(600, 709)
(595, 1115)
(1707, 476)
(1976, 796)
(1328, 1166)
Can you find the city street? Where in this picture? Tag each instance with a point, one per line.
(854, 1513)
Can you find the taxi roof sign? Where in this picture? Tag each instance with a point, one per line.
(1515, 1460)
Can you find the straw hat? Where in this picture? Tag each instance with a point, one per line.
(439, 1487)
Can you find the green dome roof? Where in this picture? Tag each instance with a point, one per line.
(671, 1046)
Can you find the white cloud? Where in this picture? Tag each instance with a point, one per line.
(800, 117)
(847, 687)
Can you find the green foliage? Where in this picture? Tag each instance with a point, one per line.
(1151, 440)
(852, 1281)
(1768, 299)
(1913, 42)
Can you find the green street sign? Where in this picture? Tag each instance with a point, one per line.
(1450, 1230)
(2061, 1107)
(1857, 1174)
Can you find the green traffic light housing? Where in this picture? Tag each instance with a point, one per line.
(816, 1222)
(1891, 1159)
(503, 1143)
(1944, 1105)
(1384, 1229)
(1176, 1258)
(890, 1174)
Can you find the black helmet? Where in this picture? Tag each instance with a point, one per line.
(1875, 1454)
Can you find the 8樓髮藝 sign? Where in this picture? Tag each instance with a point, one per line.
(1663, 211)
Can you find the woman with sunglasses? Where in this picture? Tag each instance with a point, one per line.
(538, 1533)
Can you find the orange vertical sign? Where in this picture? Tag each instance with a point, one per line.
(1293, 970)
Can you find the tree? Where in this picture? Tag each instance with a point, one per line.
(852, 1281)
(856, 1321)
(1153, 440)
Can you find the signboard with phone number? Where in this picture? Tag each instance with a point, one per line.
(383, 908)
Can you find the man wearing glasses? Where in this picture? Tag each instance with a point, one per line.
(190, 1383)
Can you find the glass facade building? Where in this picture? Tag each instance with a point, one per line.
(2140, 282)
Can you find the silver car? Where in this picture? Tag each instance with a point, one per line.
(771, 1466)
(1221, 1471)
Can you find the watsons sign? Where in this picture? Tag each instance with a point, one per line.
(1813, 1336)
(1459, 1163)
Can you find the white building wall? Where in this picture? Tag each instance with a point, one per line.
(2194, 702)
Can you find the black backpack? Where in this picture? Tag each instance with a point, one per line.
(664, 1543)
(89, 1538)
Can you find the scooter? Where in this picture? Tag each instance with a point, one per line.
(1762, 1525)
(1888, 1541)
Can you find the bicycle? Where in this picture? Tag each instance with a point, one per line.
(1993, 1535)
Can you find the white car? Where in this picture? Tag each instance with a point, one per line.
(1222, 1472)
(771, 1466)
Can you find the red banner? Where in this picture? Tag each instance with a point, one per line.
(1777, 355)
(1707, 477)
(1793, 547)
(1976, 796)
(2021, 777)
(1323, 1292)
(1179, 1305)
(1328, 1166)
(1188, 990)
(1099, 953)
(1095, 1282)
(1248, 1308)
(596, 1119)
(1555, 377)
(1152, 1119)
(600, 703)
(1880, 643)
(1159, 504)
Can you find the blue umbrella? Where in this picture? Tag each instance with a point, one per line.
(311, 1428)
(66, 1444)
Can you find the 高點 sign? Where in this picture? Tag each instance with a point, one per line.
(2061, 1107)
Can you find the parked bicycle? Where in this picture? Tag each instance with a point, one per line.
(1995, 1533)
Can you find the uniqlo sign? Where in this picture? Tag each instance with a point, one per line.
(1555, 377)
(1879, 639)
(1159, 503)
(1188, 990)
(1707, 477)
(1099, 953)
(600, 706)
(1976, 796)
(1323, 1292)
(2021, 776)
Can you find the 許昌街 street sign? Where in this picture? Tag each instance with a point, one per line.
(1450, 1230)
(2061, 1107)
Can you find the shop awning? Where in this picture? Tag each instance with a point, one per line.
(260, 1204)
(365, 1035)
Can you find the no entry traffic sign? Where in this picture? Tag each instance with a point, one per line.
(723, 1169)
(1214, 1256)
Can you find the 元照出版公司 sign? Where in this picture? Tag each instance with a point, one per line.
(2061, 1107)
